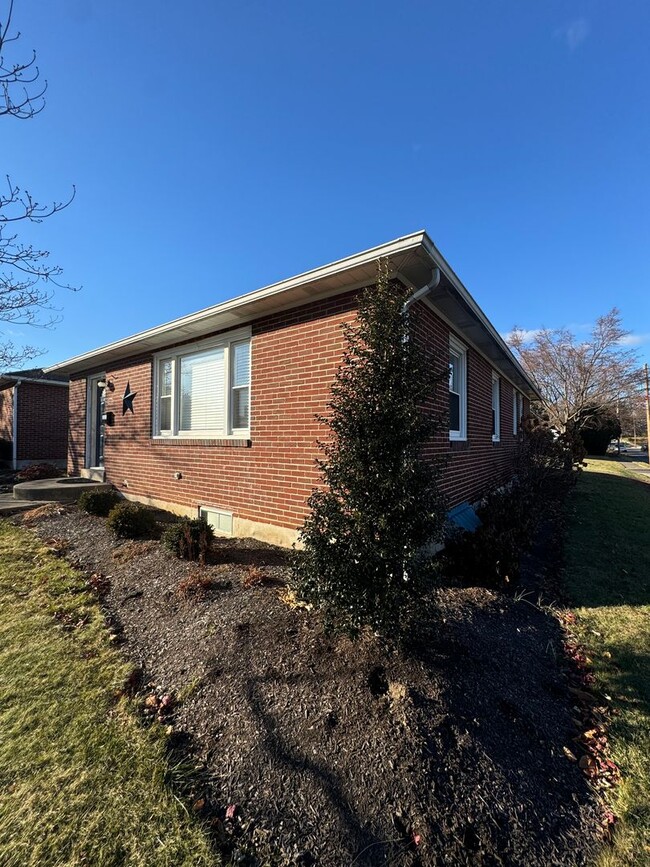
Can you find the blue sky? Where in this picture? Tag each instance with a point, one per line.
(217, 147)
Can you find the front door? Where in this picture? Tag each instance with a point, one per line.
(95, 421)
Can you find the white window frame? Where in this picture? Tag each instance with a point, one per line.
(517, 410)
(223, 341)
(516, 418)
(496, 408)
(460, 351)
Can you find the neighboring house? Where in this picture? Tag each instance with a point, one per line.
(214, 413)
(33, 418)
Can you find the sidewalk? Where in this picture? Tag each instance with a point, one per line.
(636, 460)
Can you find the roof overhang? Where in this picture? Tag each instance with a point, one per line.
(412, 258)
(7, 380)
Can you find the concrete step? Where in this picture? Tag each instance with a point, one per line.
(64, 490)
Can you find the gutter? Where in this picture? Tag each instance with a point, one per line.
(38, 381)
(14, 425)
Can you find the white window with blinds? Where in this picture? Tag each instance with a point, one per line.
(457, 390)
(496, 408)
(203, 389)
(517, 410)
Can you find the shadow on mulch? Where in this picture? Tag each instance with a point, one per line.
(338, 753)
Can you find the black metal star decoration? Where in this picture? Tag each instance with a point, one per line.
(127, 400)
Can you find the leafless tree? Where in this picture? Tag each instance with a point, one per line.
(631, 413)
(577, 376)
(27, 278)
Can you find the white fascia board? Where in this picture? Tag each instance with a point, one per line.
(399, 245)
(16, 380)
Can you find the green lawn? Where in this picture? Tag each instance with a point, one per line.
(608, 579)
(81, 782)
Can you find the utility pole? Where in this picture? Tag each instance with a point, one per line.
(647, 409)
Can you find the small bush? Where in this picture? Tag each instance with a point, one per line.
(512, 516)
(254, 576)
(189, 539)
(196, 586)
(491, 555)
(131, 520)
(98, 502)
(35, 472)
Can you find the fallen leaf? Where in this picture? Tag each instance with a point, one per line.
(230, 811)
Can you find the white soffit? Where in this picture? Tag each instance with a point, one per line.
(412, 256)
(319, 282)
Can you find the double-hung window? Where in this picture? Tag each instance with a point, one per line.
(517, 410)
(457, 390)
(496, 408)
(203, 389)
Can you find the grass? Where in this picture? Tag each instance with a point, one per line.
(81, 781)
(608, 579)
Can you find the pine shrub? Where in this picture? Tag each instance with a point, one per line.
(131, 520)
(189, 539)
(98, 502)
(379, 501)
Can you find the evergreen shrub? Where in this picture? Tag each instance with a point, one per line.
(378, 502)
(131, 520)
(511, 516)
(98, 502)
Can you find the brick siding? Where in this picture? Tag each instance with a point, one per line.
(478, 464)
(7, 413)
(267, 479)
(42, 422)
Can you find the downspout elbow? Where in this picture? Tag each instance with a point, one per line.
(420, 293)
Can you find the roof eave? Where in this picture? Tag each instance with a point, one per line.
(179, 329)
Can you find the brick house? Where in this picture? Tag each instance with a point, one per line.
(214, 413)
(33, 418)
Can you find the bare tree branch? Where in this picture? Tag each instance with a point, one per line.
(27, 278)
(579, 377)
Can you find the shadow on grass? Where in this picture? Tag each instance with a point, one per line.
(608, 548)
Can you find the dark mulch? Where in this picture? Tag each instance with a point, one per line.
(337, 753)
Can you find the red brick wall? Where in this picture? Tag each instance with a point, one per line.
(268, 479)
(477, 464)
(7, 414)
(42, 422)
(77, 426)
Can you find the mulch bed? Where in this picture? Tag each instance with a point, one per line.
(336, 753)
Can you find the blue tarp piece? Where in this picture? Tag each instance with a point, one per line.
(465, 517)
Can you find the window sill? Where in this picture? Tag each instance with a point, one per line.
(496, 440)
(212, 442)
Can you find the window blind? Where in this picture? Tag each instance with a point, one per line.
(202, 391)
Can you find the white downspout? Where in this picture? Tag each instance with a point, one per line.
(420, 293)
(14, 425)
